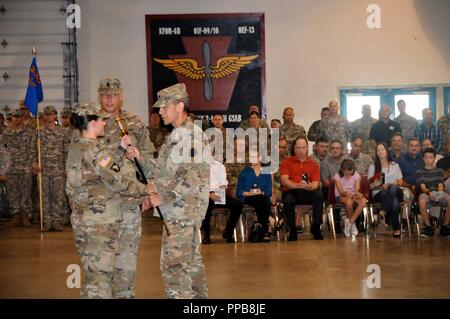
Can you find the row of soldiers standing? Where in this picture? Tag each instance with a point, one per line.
(20, 152)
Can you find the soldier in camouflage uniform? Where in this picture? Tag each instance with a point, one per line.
(67, 128)
(183, 190)
(407, 123)
(110, 95)
(20, 142)
(362, 161)
(335, 126)
(157, 132)
(313, 132)
(361, 128)
(27, 119)
(2, 123)
(444, 125)
(66, 125)
(4, 166)
(97, 184)
(289, 129)
(245, 124)
(54, 144)
(283, 152)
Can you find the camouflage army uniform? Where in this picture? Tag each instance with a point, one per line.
(335, 128)
(2, 128)
(4, 159)
(361, 128)
(158, 136)
(313, 132)
(98, 183)
(70, 133)
(22, 151)
(362, 163)
(408, 125)
(30, 123)
(184, 191)
(130, 227)
(4, 166)
(54, 144)
(291, 132)
(245, 124)
(444, 125)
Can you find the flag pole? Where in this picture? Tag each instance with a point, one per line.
(41, 210)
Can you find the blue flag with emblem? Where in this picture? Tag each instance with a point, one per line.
(34, 91)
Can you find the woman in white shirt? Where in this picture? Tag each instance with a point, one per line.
(385, 180)
(219, 198)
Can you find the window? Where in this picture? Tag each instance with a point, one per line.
(415, 103)
(416, 99)
(355, 103)
(446, 98)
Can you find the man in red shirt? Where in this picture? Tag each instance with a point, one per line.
(300, 177)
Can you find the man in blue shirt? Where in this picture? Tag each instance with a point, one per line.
(411, 162)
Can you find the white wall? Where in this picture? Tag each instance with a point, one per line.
(312, 47)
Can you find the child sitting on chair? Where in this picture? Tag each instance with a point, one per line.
(431, 183)
(347, 191)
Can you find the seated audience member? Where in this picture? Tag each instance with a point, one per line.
(444, 164)
(347, 191)
(427, 143)
(396, 151)
(254, 122)
(300, 177)
(328, 168)
(218, 184)
(409, 164)
(275, 123)
(431, 182)
(320, 150)
(362, 161)
(385, 178)
(283, 153)
(331, 165)
(255, 189)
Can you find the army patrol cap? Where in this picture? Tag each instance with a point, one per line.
(174, 92)
(90, 109)
(49, 110)
(66, 112)
(109, 86)
(17, 112)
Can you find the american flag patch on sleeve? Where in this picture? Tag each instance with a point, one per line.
(104, 162)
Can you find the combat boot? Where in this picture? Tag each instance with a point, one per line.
(46, 227)
(58, 226)
(26, 221)
(16, 221)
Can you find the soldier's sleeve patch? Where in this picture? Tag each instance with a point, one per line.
(115, 167)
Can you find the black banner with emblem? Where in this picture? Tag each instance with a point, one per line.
(220, 58)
